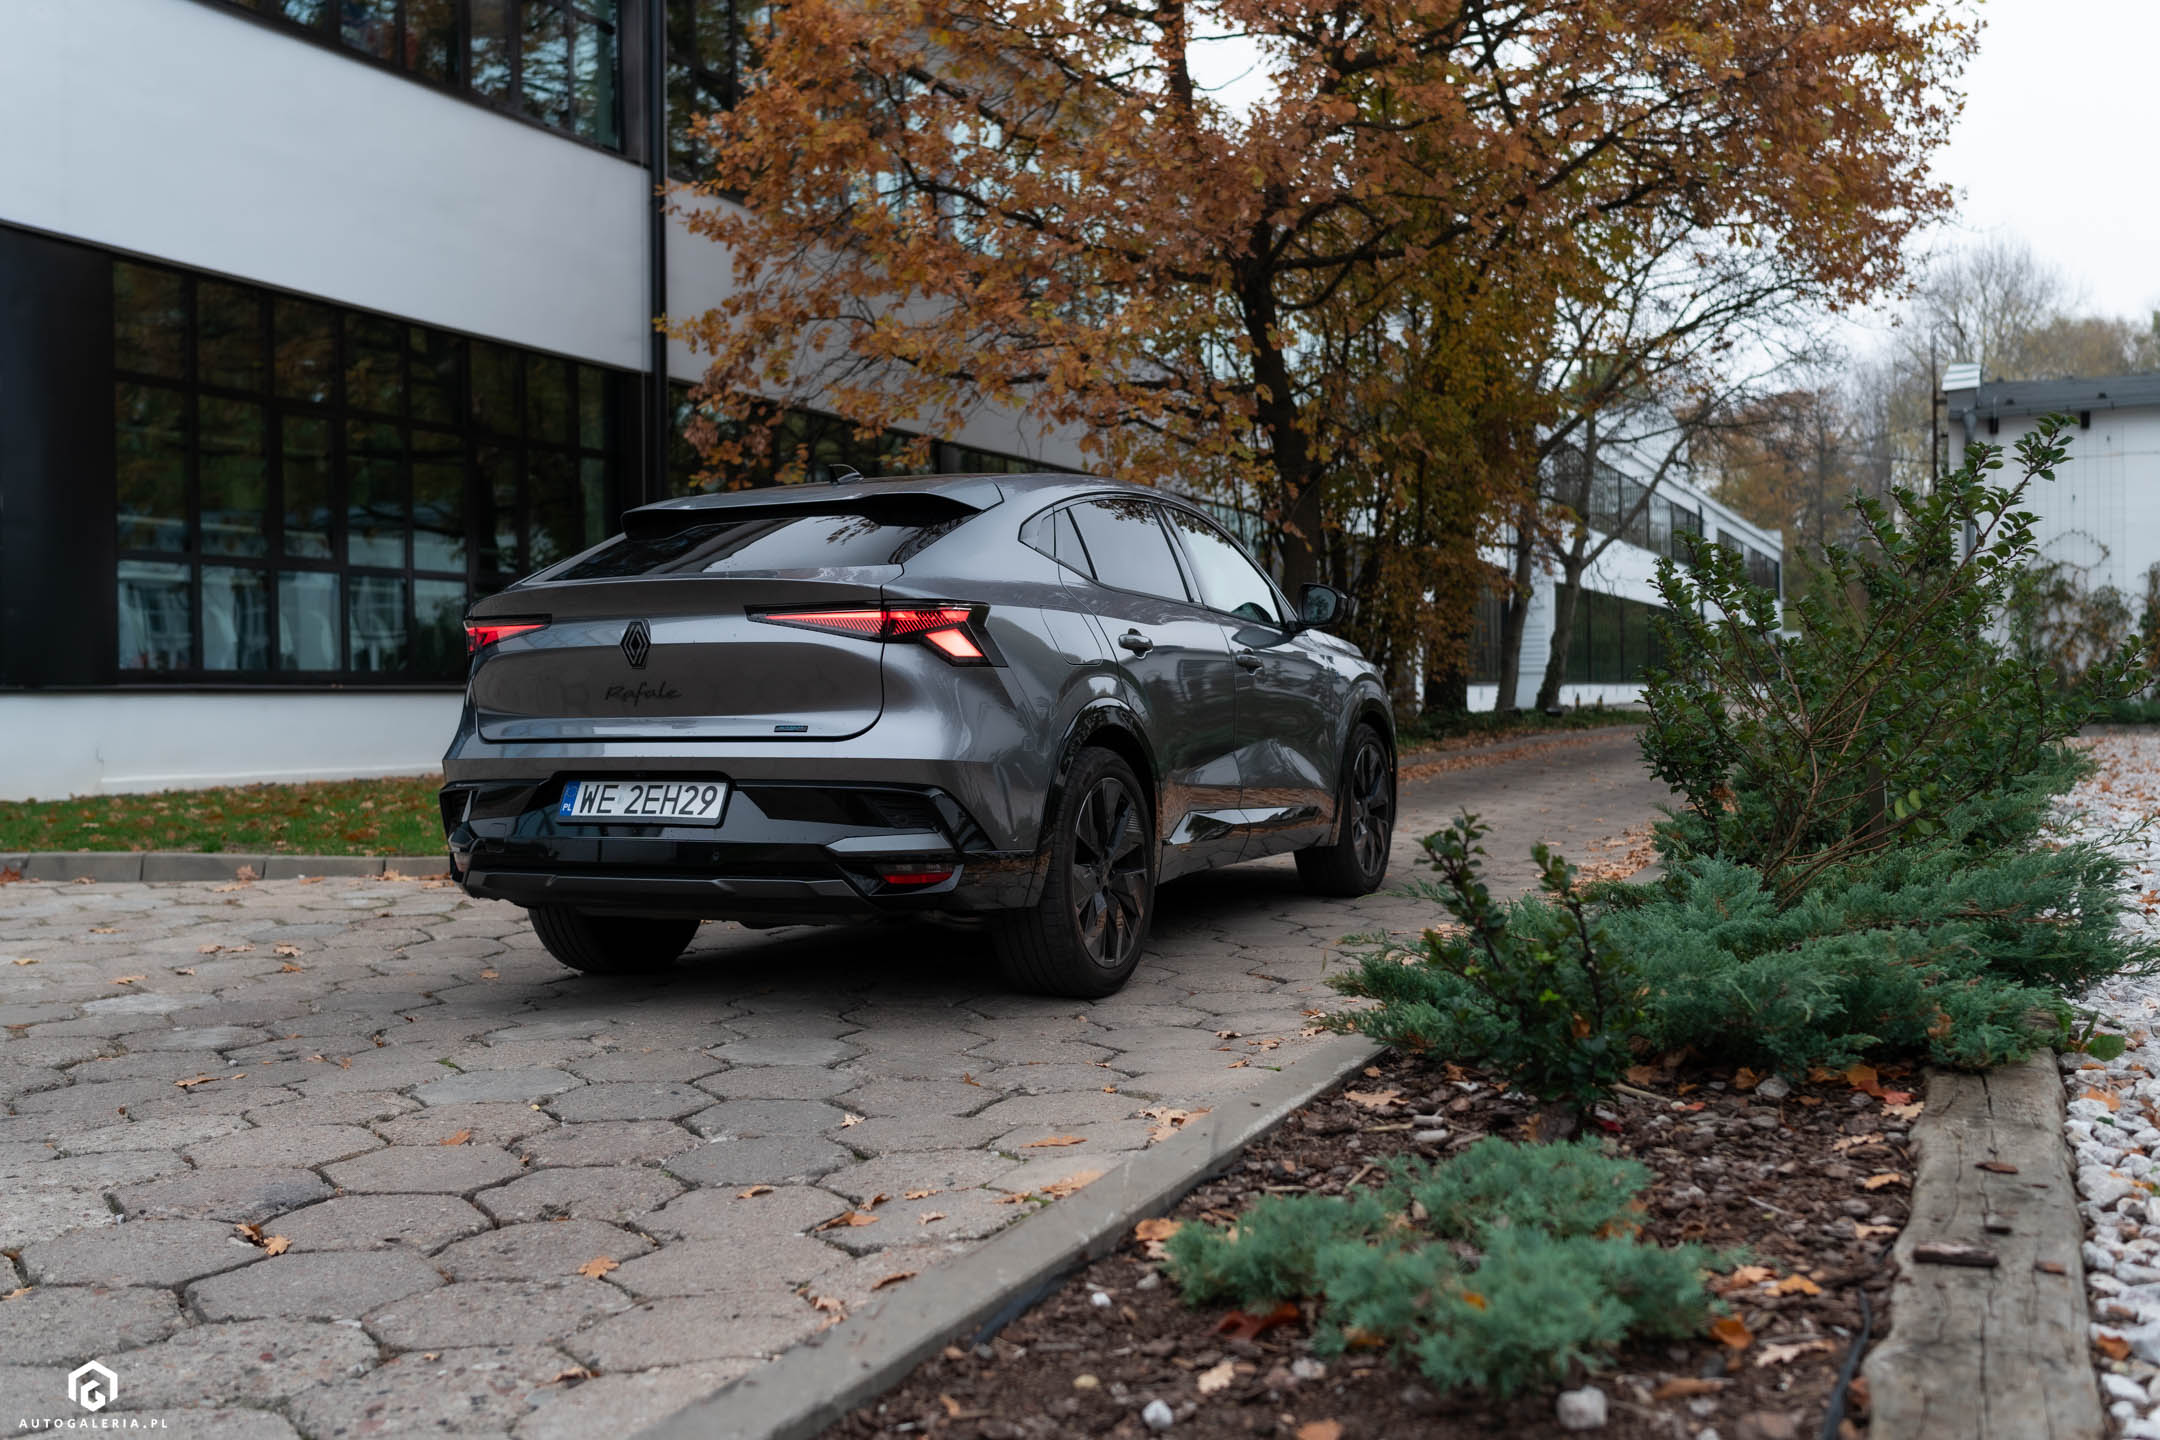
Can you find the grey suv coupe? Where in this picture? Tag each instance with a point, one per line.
(1013, 701)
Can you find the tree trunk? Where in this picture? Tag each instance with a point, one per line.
(1515, 614)
(1565, 597)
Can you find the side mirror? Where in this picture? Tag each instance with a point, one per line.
(1318, 606)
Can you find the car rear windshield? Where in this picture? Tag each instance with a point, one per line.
(762, 544)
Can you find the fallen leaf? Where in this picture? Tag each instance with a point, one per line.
(1059, 1189)
(753, 1192)
(248, 1232)
(1893, 1099)
(1745, 1079)
(207, 949)
(876, 1200)
(1161, 1227)
(1872, 1232)
(1854, 1142)
(2107, 1098)
(1240, 1325)
(2050, 1267)
(25, 960)
(490, 975)
(828, 1304)
(1686, 1386)
(1372, 1099)
(1876, 1182)
(1864, 1078)
(460, 1138)
(1168, 1121)
(1055, 1141)
(850, 1119)
(1730, 1330)
(185, 970)
(953, 1409)
(129, 979)
(104, 929)
(929, 1217)
(1642, 1074)
(1320, 1430)
(245, 873)
(1237, 1064)
(918, 1194)
(598, 1266)
(288, 968)
(2115, 1347)
(1905, 1112)
(275, 1245)
(1745, 1276)
(573, 1372)
(895, 1278)
(1782, 1354)
(1474, 1300)
(286, 952)
(1215, 1378)
(849, 1218)
(1997, 1167)
(969, 1079)
(197, 1080)
(1795, 1285)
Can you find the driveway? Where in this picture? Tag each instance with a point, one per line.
(357, 1157)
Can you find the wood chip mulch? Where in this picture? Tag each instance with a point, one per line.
(1813, 1186)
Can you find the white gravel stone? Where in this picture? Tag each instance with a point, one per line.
(2122, 1387)
(1157, 1416)
(1582, 1409)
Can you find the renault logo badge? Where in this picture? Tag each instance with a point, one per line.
(637, 643)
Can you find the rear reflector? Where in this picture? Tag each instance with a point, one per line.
(911, 873)
(954, 631)
(479, 634)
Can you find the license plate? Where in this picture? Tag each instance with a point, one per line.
(651, 802)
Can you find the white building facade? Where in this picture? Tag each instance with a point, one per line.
(317, 319)
(2100, 515)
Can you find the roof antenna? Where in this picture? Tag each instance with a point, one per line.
(841, 474)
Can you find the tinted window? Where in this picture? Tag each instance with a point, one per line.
(1228, 581)
(1128, 547)
(764, 544)
(1055, 535)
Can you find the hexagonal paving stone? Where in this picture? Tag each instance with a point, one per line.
(483, 1389)
(495, 1312)
(779, 1082)
(425, 1169)
(244, 1196)
(629, 1100)
(627, 1403)
(170, 1133)
(424, 1223)
(482, 1086)
(278, 1144)
(247, 1362)
(772, 1160)
(29, 1213)
(896, 1175)
(67, 1324)
(887, 1134)
(608, 1142)
(313, 1285)
(747, 1119)
(746, 1215)
(492, 1124)
(610, 1192)
(720, 1267)
(206, 1037)
(783, 1050)
(918, 1097)
(142, 1252)
(682, 1332)
(542, 1251)
(649, 1066)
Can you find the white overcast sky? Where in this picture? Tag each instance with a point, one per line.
(2056, 145)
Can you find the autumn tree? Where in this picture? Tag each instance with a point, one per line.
(1034, 207)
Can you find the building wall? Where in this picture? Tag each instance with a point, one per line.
(182, 132)
(2101, 513)
(92, 743)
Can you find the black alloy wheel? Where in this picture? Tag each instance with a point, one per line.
(1109, 887)
(1084, 937)
(1356, 861)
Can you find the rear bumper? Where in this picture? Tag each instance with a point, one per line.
(783, 853)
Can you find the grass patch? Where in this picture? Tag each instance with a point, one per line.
(395, 816)
(1433, 727)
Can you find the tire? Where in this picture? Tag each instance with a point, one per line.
(1356, 862)
(1084, 938)
(611, 944)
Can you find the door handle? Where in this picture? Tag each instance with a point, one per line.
(1247, 660)
(1134, 641)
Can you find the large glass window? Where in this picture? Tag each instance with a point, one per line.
(1614, 642)
(711, 45)
(557, 61)
(1228, 581)
(304, 492)
(1129, 547)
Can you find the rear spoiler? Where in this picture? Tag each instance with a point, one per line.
(921, 497)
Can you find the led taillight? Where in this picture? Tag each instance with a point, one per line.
(479, 634)
(951, 630)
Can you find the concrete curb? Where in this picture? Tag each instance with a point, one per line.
(121, 866)
(1998, 1353)
(820, 1380)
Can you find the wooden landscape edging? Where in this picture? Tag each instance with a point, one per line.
(1979, 1351)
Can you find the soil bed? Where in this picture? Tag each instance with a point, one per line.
(1798, 1183)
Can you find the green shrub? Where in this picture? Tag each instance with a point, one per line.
(1896, 704)
(1532, 988)
(1500, 1269)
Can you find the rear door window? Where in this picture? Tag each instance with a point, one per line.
(1229, 582)
(765, 545)
(1129, 547)
(1055, 535)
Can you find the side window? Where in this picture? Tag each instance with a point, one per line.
(1055, 535)
(1129, 547)
(1228, 581)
